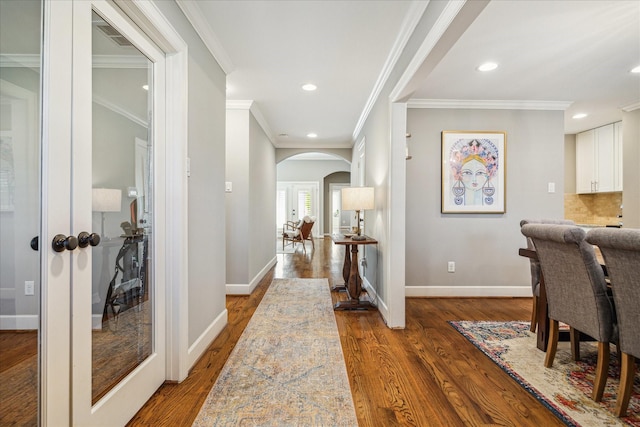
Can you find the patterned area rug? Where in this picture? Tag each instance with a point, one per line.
(564, 388)
(287, 368)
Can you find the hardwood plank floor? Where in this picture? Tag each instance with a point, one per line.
(424, 375)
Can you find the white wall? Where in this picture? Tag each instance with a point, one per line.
(251, 206)
(631, 172)
(484, 246)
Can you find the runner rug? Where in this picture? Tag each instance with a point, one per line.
(287, 368)
(566, 387)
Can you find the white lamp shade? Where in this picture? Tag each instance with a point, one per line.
(106, 200)
(357, 198)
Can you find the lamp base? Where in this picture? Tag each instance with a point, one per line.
(359, 238)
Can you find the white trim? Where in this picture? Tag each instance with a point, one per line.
(247, 289)
(149, 18)
(441, 25)
(631, 107)
(468, 291)
(119, 110)
(11, 60)
(395, 228)
(20, 322)
(412, 18)
(203, 342)
(119, 61)
(195, 16)
(489, 104)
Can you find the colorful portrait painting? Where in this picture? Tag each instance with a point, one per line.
(473, 172)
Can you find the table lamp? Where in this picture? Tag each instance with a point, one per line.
(106, 200)
(357, 199)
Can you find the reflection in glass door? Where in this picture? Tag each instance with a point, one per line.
(20, 34)
(121, 200)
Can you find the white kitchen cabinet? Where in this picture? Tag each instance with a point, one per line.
(599, 160)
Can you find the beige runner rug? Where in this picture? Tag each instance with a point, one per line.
(287, 368)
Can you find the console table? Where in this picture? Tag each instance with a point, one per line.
(352, 279)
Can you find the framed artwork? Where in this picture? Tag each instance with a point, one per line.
(473, 172)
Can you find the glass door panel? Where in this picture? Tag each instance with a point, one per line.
(121, 200)
(20, 291)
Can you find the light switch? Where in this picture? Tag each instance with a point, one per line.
(552, 187)
(228, 187)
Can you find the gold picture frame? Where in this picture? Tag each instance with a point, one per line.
(474, 172)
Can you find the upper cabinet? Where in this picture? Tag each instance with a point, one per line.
(599, 159)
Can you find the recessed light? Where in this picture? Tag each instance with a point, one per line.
(283, 135)
(579, 116)
(312, 135)
(145, 87)
(636, 69)
(488, 66)
(309, 87)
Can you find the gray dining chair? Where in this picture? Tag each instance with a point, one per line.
(576, 291)
(535, 267)
(621, 252)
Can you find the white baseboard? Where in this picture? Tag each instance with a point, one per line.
(467, 291)
(19, 322)
(204, 341)
(246, 289)
(373, 296)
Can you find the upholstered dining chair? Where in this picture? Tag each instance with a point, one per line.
(576, 291)
(535, 267)
(621, 252)
(299, 232)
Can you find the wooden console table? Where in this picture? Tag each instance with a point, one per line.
(352, 279)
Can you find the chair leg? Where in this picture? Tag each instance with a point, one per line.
(304, 248)
(552, 345)
(601, 371)
(534, 315)
(574, 336)
(627, 374)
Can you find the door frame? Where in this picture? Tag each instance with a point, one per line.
(55, 385)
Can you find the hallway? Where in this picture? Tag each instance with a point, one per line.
(424, 375)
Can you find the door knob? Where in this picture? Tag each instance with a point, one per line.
(34, 243)
(85, 239)
(61, 242)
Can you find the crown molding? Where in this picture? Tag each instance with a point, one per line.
(195, 16)
(488, 104)
(631, 107)
(448, 14)
(412, 18)
(9, 60)
(120, 110)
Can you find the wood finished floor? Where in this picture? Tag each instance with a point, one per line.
(424, 375)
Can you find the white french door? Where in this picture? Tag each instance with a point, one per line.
(104, 303)
(295, 200)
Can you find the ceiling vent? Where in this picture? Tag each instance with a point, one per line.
(114, 35)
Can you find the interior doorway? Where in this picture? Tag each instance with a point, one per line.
(340, 221)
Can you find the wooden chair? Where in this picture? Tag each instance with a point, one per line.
(576, 291)
(621, 252)
(535, 267)
(296, 232)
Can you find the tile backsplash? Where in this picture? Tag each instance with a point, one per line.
(595, 209)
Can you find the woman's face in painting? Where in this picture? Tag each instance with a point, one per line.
(474, 175)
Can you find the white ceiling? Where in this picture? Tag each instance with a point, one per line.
(561, 52)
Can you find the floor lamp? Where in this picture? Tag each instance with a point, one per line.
(106, 200)
(357, 199)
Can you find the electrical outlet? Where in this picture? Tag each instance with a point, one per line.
(29, 287)
(451, 267)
